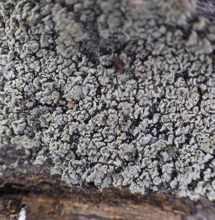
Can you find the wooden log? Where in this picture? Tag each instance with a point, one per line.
(45, 197)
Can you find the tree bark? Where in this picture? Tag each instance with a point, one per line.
(45, 197)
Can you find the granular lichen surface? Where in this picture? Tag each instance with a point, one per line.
(118, 92)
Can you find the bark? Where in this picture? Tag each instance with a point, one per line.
(45, 197)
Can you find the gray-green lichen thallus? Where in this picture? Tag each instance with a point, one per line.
(115, 92)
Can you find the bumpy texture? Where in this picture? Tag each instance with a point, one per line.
(115, 92)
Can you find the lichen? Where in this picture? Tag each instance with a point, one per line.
(111, 92)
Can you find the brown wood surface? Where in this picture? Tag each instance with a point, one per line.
(46, 198)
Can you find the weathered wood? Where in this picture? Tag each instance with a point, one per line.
(46, 198)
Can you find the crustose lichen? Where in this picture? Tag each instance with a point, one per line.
(104, 92)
